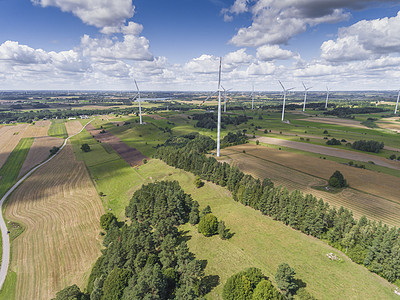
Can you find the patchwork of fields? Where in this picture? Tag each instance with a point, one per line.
(372, 194)
(59, 205)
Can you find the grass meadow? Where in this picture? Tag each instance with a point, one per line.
(57, 129)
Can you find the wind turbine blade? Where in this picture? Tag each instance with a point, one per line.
(281, 85)
(304, 86)
(223, 88)
(290, 89)
(136, 85)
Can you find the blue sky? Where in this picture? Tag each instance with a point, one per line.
(175, 44)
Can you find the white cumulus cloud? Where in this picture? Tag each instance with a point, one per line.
(99, 13)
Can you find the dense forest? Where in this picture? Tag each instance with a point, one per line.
(209, 120)
(149, 258)
(372, 244)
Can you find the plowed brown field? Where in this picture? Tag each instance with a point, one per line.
(372, 194)
(60, 209)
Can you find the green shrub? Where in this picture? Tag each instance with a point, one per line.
(208, 225)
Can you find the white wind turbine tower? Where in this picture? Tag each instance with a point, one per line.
(219, 107)
(397, 103)
(284, 98)
(327, 98)
(305, 95)
(225, 99)
(252, 98)
(140, 103)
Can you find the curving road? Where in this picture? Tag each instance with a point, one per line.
(6, 241)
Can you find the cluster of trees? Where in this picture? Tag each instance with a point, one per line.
(85, 148)
(208, 223)
(54, 150)
(368, 146)
(344, 112)
(209, 120)
(337, 180)
(250, 284)
(333, 141)
(147, 259)
(375, 245)
(233, 138)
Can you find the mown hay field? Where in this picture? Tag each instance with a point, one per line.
(60, 210)
(372, 194)
(39, 151)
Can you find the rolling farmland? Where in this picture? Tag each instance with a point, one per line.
(61, 217)
(372, 194)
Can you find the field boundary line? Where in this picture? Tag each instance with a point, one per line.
(5, 262)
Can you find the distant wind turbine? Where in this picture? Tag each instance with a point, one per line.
(252, 98)
(225, 99)
(140, 103)
(397, 103)
(327, 98)
(305, 95)
(284, 98)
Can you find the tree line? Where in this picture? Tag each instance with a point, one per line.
(366, 242)
(149, 258)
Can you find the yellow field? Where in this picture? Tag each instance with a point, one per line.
(60, 209)
(10, 136)
(73, 127)
(38, 152)
(39, 129)
(372, 194)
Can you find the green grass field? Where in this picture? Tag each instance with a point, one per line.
(9, 175)
(57, 129)
(10, 170)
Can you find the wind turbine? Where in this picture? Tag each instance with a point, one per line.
(305, 95)
(397, 103)
(219, 107)
(284, 98)
(252, 98)
(327, 98)
(140, 102)
(225, 99)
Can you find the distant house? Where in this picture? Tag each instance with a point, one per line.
(71, 118)
(84, 117)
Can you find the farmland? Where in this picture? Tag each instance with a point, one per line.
(10, 170)
(10, 136)
(57, 129)
(372, 194)
(60, 210)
